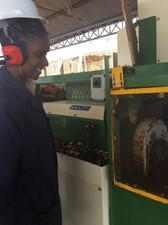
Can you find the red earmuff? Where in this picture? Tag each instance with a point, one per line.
(12, 54)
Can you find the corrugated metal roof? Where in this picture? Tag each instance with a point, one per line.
(70, 16)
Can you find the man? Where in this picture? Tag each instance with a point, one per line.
(28, 165)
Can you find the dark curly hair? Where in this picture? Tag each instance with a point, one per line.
(21, 28)
(19, 31)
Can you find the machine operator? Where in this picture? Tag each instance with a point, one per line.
(29, 192)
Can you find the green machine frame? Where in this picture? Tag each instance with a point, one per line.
(140, 86)
(131, 202)
(137, 198)
(73, 128)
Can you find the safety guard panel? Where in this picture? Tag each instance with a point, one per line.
(140, 142)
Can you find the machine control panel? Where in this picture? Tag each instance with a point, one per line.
(98, 87)
(75, 110)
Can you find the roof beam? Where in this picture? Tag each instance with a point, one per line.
(99, 30)
(131, 34)
(61, 12)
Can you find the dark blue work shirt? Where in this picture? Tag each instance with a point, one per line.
(28, 165)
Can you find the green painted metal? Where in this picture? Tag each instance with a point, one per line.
(152, 69)
(74, 129)
(146, 81)
(148, 76)
(147, 40)
(133, 209)
(128, 208)
(68, 78)
(77, 85)
(78, 91)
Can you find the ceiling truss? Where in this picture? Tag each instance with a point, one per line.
(65, 10)
(109, 27)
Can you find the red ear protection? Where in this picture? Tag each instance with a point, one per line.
(12, 54)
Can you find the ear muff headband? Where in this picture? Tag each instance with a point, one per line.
(13, 54)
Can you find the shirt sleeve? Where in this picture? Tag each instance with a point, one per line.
(10, 152)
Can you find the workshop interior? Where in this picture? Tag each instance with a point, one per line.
(111, 129)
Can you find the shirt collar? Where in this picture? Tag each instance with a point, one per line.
(18, 88)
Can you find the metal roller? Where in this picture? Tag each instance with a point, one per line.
(150, 145)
